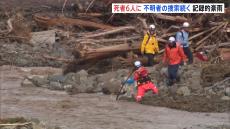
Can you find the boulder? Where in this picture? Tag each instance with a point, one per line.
(56, 78)
(226, 98)
(83, 73)
(227, 91)
(111, 87)
(72, 79)
(79, 82)
(105, 77)
(194, 83)
(209, 91)
(184, 91)
(40, 81)
(68, 88)
(55, 86)
(27, 83)
(164, 72)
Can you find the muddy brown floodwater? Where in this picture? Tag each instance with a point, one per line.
(92, 111)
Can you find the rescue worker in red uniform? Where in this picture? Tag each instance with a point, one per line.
(144, 83)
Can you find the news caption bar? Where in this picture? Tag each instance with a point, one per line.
(168, 7)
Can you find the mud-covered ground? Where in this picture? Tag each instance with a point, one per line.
(193, 103)
(92, 111)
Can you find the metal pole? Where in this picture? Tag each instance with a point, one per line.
(122, 85)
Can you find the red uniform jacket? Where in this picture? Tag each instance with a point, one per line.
(174, 55)
(142, 71)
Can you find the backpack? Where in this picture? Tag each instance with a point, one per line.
(143, 77)
(181, 34)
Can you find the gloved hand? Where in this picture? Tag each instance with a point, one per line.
(185, 63)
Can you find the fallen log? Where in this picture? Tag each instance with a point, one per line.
(226, 44)
(46, 21)
(201, 33)
(90, 14)
(220, 83)
(201, 43)
(17, 124)
(174, 33)
(144, 24)
(113, 31)
(171, 18)
(89, 54)
(117, 39)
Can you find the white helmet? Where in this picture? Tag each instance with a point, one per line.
(172, 39)
(137, 64)
(152, 27)
(185, 24)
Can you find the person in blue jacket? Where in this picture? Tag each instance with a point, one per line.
(182, 37)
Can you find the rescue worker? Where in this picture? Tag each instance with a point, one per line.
(149, 45)
(143, 81)
(173, 56)
(182, 37)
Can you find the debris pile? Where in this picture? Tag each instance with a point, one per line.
(78, 34)
(22, 123)
(189, 94)
(80, 82)
(81, 36)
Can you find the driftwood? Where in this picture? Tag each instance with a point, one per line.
(144, 24)
(171, 18)
(114, 40)
(220, 83)
(9, 27)
(63, 7)
(113, 31)
(46, 21)
(90, 14)
(27, 125)
(91, 3)
(105, 52)
(16, 124)
(226, 44)
(201, 33)
(87, 54)
(201, 43)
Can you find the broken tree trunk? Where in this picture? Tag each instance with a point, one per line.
(46, 21)
(92, 54)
